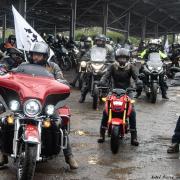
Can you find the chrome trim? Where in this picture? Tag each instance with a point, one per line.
(26, 102)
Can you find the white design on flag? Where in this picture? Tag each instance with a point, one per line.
(26, 36)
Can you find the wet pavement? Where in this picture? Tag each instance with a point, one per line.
(155, 125)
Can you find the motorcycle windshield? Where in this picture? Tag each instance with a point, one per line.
(154, 60)
(98, 54)
(32, 69)
(34, 82)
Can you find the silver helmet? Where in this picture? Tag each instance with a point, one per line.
(41, 47)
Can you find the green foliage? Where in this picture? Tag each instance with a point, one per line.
(93, 31)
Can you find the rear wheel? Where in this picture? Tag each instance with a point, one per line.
(26, 162)
(115, 139)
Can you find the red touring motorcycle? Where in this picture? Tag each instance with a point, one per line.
(30, 132)
(118, 106)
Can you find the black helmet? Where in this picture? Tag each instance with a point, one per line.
(88, 42)
(41, 48)
(12, 39)
(122, 56)
(51, 39)
(100, 40)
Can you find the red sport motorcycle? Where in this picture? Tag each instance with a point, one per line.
(118, 106)
(34, 118)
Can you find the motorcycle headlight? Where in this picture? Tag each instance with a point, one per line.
(83, 64)
(117, 103)
(32, 107)
(49, 110)
(14, 105)
(150, 68)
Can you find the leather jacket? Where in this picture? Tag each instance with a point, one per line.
(121, 76)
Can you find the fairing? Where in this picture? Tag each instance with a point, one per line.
(36, 87)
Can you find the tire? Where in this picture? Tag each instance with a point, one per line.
(148, 95)
(80, 80)
(154, 93)
(66, 65)
(115, 139)
(26, 162)
(95, 98)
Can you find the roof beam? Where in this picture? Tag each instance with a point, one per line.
(34, 5)
(93, 5)
(123, 13)
(140, 15)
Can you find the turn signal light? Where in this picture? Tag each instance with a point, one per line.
(10, 120)
(46, 123)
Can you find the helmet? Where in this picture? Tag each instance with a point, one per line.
(122, 52)
(51, 39)
(122, 56)
(12, 39)
(153, 45)
(100, 40)
(41, 48)
(88, 42)
(108, 41)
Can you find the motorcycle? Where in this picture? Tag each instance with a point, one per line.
(62, 56)
(73, 55)
(153, 69)
(118, 106)
(94, 69)
(31, 118)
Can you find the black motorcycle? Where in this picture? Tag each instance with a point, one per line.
(95, 68)
(62, 56)
(153, 70)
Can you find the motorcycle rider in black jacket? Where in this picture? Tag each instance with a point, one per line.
(121, 72)
(40, 53)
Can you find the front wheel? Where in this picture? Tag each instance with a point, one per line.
(26, 162)
(154, 93)
(95, 97)
(115, 132)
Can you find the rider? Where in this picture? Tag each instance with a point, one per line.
(175, 54)
(100, 41)
(174, 147)
(154, 47)
(13, 59)
(87, 44)
(39, 56)
(121, 72)
(10, 43)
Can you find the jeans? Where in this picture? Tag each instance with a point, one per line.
(176, 136)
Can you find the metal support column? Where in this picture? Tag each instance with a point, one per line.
(73, 19)
(23, 7)
(4, 28)
(55, 30)
(127, 25)
(143, 35)
(32, 23)
(156, 31)
(174, 37)
(105, 15)
(164, 39)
